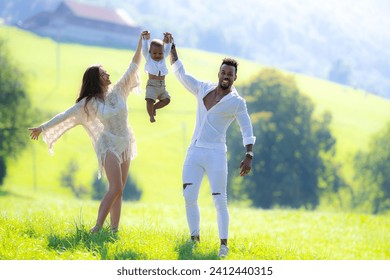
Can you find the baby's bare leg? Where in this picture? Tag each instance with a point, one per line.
(162, 103)
(150, 108)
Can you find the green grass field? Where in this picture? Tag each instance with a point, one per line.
(41, 220)
(48, 227)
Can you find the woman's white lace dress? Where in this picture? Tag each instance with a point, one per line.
(106, 122)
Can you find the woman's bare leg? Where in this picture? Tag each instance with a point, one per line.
(115, 212)
(115, 187)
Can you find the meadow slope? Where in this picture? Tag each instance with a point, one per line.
(53, 76)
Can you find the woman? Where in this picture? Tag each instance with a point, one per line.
(102, 110)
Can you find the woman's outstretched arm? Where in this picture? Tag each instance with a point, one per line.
(137, 55)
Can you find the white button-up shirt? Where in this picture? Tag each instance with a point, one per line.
(157, 68)
(211, 125)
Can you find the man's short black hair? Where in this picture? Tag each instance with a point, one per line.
(230, 62)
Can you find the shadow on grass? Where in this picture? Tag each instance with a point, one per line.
(3, 192)
(97, 243)
(188, 251)
(10, 193)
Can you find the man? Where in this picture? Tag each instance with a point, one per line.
(218, 105)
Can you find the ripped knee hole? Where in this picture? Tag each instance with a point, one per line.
(186, 184)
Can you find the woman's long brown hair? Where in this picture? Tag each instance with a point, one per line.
(91, 85)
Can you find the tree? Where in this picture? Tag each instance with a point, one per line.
(340, 72)
(99, 187)
(288, 164)
(15, 114)
(131, 191)
(372, 170)
(68, 179)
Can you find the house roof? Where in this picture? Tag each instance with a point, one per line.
(117, 16)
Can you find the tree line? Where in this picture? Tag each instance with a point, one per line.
(294, 164)
(15, 111)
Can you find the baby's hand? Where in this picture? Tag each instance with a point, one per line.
(145, 35)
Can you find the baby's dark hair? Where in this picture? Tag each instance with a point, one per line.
(230, 62)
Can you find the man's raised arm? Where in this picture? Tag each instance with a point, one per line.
(174, 56)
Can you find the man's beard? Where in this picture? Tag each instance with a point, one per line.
(225, 85)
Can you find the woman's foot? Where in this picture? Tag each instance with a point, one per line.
(95, 229)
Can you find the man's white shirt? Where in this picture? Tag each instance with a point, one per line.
(211, 125)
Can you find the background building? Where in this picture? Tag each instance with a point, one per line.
(85, 24)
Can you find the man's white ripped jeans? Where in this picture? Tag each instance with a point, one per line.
(214, 163)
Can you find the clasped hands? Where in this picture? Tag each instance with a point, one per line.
(168, 38)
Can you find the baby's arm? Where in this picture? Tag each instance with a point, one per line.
(145, 42)
(168, 40)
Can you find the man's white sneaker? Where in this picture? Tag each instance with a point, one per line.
(223, 251)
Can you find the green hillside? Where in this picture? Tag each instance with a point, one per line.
(54, 75)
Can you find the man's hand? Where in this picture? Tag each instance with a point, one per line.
(245, 166)
(174, 56)
(168, 38)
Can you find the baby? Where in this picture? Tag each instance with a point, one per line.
(155, 53)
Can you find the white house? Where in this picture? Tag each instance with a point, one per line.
(85, 24)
